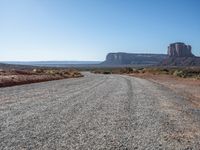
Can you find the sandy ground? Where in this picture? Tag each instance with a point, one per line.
(188, 87)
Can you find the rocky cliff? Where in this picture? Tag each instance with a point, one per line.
(180, 54)
(133, 59)
(179, 50)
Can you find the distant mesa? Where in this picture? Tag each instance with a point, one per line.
(179, 50)
(133, 59)
(178, 54)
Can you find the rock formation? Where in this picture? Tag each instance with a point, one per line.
(133, 59)
(180, 54)
(179, 50)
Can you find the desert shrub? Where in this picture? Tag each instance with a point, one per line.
(136, 71)
(140, 68)
(96, 71)
(171, 71)
(35, 70)
(155, 70)
(38, 70)
(67, 73)
(198, 77)
(106, 72)
(129, 70)
(164, 71)
(179, 73)
(50, 72)
(143, 70)
(126, 70)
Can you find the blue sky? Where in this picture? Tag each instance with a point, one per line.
(89, 29)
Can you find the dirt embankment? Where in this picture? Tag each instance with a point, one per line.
(17, 77)
(188, 87)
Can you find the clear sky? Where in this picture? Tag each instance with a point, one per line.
(89, 29)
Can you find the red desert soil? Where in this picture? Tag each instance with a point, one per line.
(188, 87)
(18, 77)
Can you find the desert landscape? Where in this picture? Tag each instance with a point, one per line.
(108, 106)
(128, 111)
(99, 75)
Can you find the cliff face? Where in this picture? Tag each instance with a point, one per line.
(179, 50)
(135, 59)
(180, 54)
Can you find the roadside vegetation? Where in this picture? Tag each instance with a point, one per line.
(65, 73)
(10, 77)
(190, 72)
(124, 70)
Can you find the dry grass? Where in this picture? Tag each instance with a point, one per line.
(187, 72)
(17, 77)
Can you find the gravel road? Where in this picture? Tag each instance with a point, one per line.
(97, 112)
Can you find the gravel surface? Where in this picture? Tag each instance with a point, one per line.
(97, 112)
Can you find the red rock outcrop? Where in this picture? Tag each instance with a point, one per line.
(179, 50)
(180, 54)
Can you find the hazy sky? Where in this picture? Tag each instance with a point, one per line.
(89, 29)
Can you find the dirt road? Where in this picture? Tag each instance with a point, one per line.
(97, 112)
